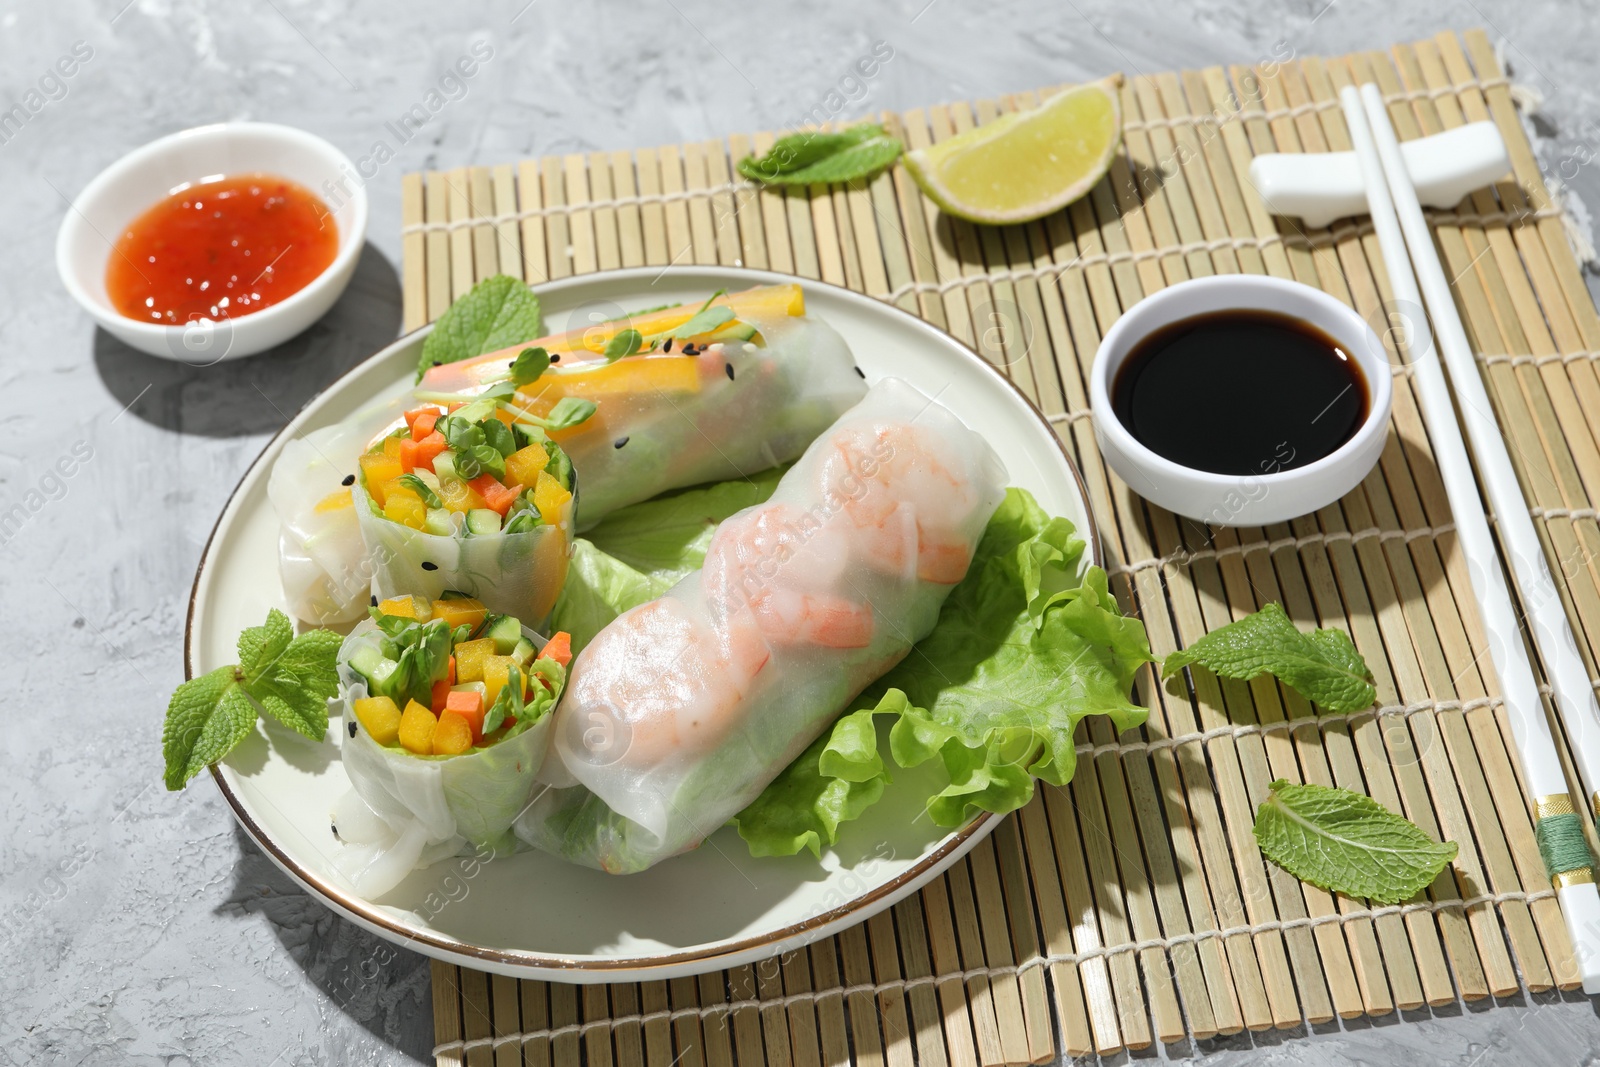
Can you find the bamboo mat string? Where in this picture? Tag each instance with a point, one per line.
(1132, 906)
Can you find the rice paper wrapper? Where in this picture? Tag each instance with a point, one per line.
(682, 710)
(406, 811)
(513, 574)
(752, 408)
(322, 560)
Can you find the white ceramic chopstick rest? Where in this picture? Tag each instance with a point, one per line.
(1324, 186)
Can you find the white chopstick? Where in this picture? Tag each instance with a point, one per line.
(1387, 183)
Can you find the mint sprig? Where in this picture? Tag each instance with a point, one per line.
(811, 157)
(498, 312)
(290, 678)
(1348, 843)
(1322, 666)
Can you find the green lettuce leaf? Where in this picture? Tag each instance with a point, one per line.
(599, 587)
(1026, 645)
(833, 781)
(666, 537)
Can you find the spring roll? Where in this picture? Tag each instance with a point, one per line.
(715, 391)
(392, 501)
(682, 710)
(446, 720)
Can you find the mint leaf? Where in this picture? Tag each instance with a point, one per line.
(199, 729)
(805, 158)
(498, 312)
(260, 645)
(1322, 666)
(1347, 843)
(295, 688)
(291, 678)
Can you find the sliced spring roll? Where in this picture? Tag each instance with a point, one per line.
(447, 714)
(681, 710)
(392, 501)
(714, 391)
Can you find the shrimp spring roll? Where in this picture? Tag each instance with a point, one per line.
(447, 714)
(681, 710)
(699, 393)
(424, 501)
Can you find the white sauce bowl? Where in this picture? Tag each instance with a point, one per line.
(1231, 499)
(145, 176)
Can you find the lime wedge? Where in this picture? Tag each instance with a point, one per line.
(1024, 164)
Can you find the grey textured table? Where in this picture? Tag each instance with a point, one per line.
(141, 927)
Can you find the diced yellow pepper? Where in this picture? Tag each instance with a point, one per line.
(455, 613)
(404, 506)
(417, 725)
(407, 607)
(496, 673)
(452, 736)
(459, 496)
(380, 717)
(523, 466)
(550, 498)
(470, 658)
(391, 447)
(335, 501)
(378, 471)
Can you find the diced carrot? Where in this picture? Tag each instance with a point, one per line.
(428, 448)
(558, 648)
(452, 674)
(437, 701)
(495, 495)
(468, 704)
(408, 455)
(453, 735)
(421, 422)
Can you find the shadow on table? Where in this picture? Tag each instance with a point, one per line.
(381, 987)
(260, 393)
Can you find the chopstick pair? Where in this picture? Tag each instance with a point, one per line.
(1392, 200)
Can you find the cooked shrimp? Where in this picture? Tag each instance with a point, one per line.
(657, 685)
(891, 478)
(778, 565)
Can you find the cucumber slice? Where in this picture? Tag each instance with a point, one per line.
(438, 522)
(483, 521)
(506, 632)
(444, 466)
(733, 331)
(523, 653)
(376, 669)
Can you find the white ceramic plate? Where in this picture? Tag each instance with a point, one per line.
(532, 915)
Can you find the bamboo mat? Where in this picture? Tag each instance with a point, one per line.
(1133, 906)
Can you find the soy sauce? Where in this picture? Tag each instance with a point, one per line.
(1240, 392)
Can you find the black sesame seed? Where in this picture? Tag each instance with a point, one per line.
(861, 372)
(352, 727)
(438, 363)
(729, 368)
(619, 442)
(349, 479)
(429, 566)
(374, 601)
(334, 828)
(556, 358)
(689, 349)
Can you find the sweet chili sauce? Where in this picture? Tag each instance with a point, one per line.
(221, 249)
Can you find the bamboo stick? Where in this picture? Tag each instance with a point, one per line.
(413, 255)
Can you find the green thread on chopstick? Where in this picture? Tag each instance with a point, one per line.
(1562, 845)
